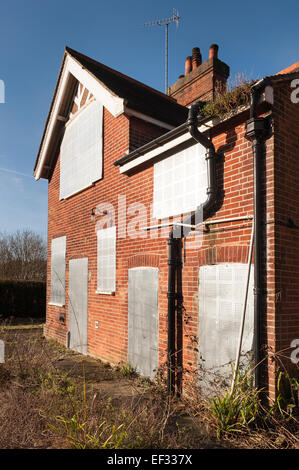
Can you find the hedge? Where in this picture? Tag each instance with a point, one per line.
(22, 299)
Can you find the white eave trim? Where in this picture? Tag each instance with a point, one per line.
(147, 156)
(113, 103)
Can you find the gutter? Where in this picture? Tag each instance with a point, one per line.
(159, 141)
(130, 161)
(171, 135)
(257, 131)
(175, 242)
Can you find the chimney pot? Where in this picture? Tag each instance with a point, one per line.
(213, 52)
(196, 57)
(204, 81)
(188, 65)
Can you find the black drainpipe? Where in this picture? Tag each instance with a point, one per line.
(257, 129)
(175, 240)
(171, 296)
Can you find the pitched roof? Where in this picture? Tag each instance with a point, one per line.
(116, 91)
(138, 96)
(292, 68)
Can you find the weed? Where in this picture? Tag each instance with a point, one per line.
(287, 396)
(75, 431)
(53, 383)
(129, 371)
(233, 412)
(229, 101)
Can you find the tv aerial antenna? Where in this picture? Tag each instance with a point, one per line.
(166, 22)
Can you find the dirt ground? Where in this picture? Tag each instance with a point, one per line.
(52, 397)
(43, 379)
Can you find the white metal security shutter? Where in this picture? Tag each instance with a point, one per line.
(106, 260)
(58, 248)
(78, 303)
(143, 320)
(81, 151)
(221, 297)
(180, 182)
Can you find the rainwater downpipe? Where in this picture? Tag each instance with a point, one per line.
(176, 235)
(256, 132)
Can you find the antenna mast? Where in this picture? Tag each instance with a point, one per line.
(167, 21)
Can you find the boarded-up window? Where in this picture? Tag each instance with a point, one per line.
(221, 298)
(58, 247)
(78, 304)
(106, 260)
(180, 182)
(143, 319)
(81, 151)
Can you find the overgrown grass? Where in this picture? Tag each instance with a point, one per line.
(244, 417)
(43, 406)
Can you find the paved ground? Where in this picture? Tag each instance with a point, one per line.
(99, 376)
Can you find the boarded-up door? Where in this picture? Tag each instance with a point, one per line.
(221, 298)
(78, 288)
(143, 320)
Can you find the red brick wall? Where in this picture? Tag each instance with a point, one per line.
(201, 83)
(286, 206)
(71, 217)
(142, 132)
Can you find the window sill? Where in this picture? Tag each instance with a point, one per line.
(105, 292)
(56, 304)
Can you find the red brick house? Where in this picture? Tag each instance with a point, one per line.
(151, 210)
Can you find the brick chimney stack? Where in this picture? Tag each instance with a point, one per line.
(201, 80)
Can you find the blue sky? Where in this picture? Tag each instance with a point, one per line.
(256, 39)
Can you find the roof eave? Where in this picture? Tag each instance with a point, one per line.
(71, 70)
(138, 156)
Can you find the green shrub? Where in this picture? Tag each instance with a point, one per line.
(22, 299)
